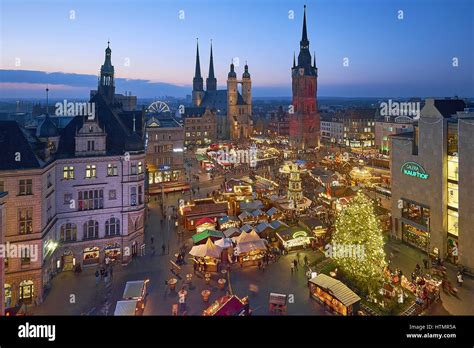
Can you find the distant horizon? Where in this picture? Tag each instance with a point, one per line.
(78, 88)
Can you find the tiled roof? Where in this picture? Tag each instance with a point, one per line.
(13, 141)
(115, 126)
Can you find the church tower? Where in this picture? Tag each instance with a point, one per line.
(247, 89)
(211, 81)
(304, 120)
(232, 96)
(106, 80)
(198, 88)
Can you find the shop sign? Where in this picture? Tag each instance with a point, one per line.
(414, 169)
(299, 234)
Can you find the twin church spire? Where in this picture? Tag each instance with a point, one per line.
(211, 81)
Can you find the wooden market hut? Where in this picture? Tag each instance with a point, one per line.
(334, 294)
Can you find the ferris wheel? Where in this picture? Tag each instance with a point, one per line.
(158, 107)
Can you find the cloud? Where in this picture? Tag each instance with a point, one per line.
(28, 83)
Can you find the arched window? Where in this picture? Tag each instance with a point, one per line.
(112, 227)
(68, 232)
(91, 229)
(27, 289)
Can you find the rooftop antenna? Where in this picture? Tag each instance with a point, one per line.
(47, 99)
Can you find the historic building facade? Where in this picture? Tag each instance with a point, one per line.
(233, 109)
(76, 195)
(304, 118)
(200, 126)
(165, 155)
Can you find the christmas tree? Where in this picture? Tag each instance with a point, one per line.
(357, 244)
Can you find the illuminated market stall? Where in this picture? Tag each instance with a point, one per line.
(294, 238)
(334, 294)
(229, 305)
(250, 249)
(205, 224)
(206, 256)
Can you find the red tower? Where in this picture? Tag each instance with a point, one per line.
(304, 121)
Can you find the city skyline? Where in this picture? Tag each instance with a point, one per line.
(150, 64)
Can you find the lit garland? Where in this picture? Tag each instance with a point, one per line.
(358, 226)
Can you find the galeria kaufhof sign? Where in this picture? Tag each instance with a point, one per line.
(414, 169)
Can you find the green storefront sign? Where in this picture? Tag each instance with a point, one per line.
(414, 169)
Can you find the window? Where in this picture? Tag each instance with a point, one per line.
(416, 213)
(27, 290)
(112, 227)
(112, 194)
(91, 229)
(25, 220)
(140, 167)
(68, 233)
(25, 256)
(453, 219)
(453, 195)
(140, 195)
(90, 145)
(67, 198)
(133, 169)
(112, 170)
(91, 199)
(2, 186)
(133, 195)
(25, 187)
(68, 172)
(91, 171)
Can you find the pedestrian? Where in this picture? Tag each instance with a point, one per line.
(163, 249)
(292, 265)
(460, 279)
(152, 240)
(102, 272)
(425, 263)
(295, 262)
(97, 277)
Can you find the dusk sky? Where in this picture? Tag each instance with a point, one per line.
(387, 56)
